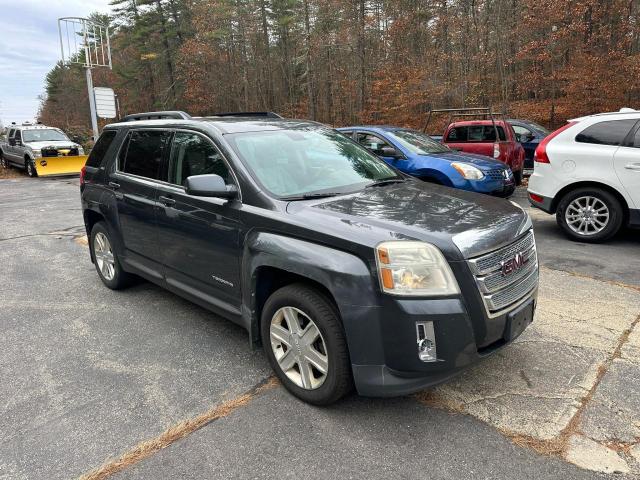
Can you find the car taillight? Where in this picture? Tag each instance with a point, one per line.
(496, 150)
(536, 198)
(83, 171)
(540, 155)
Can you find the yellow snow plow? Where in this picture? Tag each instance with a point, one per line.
(60, 165)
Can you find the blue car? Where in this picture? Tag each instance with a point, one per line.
(529, 134)
(417, 154)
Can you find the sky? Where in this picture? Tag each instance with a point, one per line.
(30, 47)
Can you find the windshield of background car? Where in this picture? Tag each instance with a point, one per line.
(306, 161)
(540, 129)
(43, 135)
(417, 142)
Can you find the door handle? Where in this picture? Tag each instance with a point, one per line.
(114, 185)
(632, 166)
(168, 201)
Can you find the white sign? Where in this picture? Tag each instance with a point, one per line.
(105, 102)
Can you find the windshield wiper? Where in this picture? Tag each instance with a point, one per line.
(308, 196)
(387, 181)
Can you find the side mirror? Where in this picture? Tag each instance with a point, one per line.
(210, 186)
(389, 151)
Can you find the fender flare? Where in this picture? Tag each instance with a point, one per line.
(331, 268)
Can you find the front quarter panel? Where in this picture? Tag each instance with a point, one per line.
(347, 277)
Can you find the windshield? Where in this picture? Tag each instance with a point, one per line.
(43, 135)
(417, 142)
(308, 161)
(540, 128)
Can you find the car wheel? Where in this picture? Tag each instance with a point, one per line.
(589, 215)
(517, 176)
(106, 260)
(304, 341)
(3, 161)
(31, 168)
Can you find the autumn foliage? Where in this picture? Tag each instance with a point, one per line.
(364, 61)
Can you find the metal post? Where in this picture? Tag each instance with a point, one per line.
(92, 105)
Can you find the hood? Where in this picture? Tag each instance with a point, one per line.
(480, 161)
(456, 221)
(55, 144)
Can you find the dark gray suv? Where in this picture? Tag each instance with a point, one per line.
(347, 271)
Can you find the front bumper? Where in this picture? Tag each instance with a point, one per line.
(457, 342)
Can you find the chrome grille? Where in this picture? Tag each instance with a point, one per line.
(501, 290)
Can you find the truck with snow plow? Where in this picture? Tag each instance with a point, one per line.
(41, 151)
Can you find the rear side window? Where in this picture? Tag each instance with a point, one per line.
(11, 132)
(636, 141)
(457, 134)
(193, 155)
(144, 153)
(18, 136)
(612, 132)
(476, 133)
(100, 148)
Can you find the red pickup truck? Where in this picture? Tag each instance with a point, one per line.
(486, 137)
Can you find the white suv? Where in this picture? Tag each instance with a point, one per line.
(588, 174)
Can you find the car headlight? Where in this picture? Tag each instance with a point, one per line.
(80, 150)
(468, 171)
(414, 268)
(36, 153)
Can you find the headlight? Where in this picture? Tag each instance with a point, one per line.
(468, 171)
(414, 268)
(80, 150)
(36, 153)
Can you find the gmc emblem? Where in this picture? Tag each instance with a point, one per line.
(513, 264)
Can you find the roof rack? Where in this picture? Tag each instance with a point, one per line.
(246, 114)
(171, 114)
(486, 112)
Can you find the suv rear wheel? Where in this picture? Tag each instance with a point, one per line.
(3, 160)
(589, 215)
(304, 342)
(106, 260)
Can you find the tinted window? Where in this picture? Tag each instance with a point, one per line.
(18, 135)
(636, 141)
(11, 132)
(485, 133)
(606, 133)
(144, 153)
(101, 147)
(192, 154)
(457, 134)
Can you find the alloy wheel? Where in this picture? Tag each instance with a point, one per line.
(299, 348)
(587, 215)
(104, 256)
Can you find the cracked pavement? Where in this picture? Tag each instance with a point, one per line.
(88, 374)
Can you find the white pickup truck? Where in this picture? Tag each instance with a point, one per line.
(38, 149)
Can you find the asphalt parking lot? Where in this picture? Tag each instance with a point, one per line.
(142, 384)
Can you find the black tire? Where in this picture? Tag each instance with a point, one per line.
(120, 279)
(30, 168)
(517, 176)
(3, 161)
(338, 380)
(616, 214)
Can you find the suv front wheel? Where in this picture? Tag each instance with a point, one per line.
(589, 215)
(304, 342)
